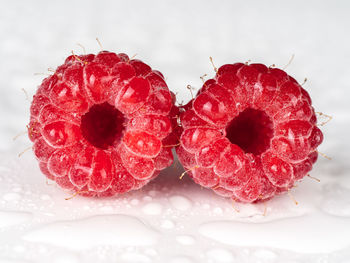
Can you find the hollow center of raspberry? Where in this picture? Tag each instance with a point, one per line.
(251, 130)
(102, 125)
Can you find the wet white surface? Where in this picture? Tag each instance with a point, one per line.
(172, 220)
(315, 233)
(10, 218)
(113, 230)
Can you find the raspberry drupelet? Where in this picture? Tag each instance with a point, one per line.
(99, 124)
(250, 133)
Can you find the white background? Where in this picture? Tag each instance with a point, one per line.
(175, 220)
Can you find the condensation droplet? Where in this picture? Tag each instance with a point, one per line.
(185, 240)
(180, 202)
(153, 193)
(135, 258)
(10, 197)
(181, 259)
(151, 252)
(336, 200)
(220, 255)
(167, 224)
(106, 208)
(134, 202)
(205, 206)
(218, 210)
(152, 209)
(17, 189)
(112, 230)
(19, 249)
(65, 257)
(45, 197)
(147, 198)
(10, 218)
(265, 254)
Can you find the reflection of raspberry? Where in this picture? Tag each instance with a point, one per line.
(98, 124)
(250, 133)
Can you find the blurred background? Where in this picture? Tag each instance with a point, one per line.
(177, 37)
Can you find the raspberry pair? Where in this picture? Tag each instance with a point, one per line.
(105, 124)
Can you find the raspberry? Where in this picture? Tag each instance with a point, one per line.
(100, 124)
(250, 133)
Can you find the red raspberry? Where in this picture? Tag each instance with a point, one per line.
(250, 133)
(99, 124)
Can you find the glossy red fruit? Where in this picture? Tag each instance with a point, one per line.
(101, 124)
(250, 133)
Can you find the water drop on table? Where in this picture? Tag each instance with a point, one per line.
(180, 202)
(10, 197)
(45, 197)
(10, 218)
(147, 198)
(65, 257)
(265, 254)
(309, 230)
(218, 210)
(181, 259)
(185, 240)
(134, 201)
(151, 252)
(220, 255)
(336, 200)
(106, 208)
(7, 260)
(152, 208)
(117, 230)
(134, 258)
(167, 224)
(205, 206)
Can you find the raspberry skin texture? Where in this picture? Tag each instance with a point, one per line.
(250, 133)
(100, 124)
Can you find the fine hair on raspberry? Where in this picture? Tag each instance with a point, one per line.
(250, 133)
(100, 124)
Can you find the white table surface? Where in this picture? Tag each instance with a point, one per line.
(172, 220)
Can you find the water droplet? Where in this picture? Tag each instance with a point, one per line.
(10, 218)
(185, 240)
(86, 207)
(167, 224)
(181, 259)
(218, 210)
(152, 209)
(147, 198)
(4, 260)
(106, 208)
(117, 230)
(17, 189)
(48, 214)
(137, 258)
(220, 255)
(151, 252)
(153, 193)
(180, 202)
(42, 250)
(205, 206)
(45, 197)
(308, 229)
(19, 249)
(265, 254)
(336, 200)
(65, 257)
(134, 202)
(10, 197)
